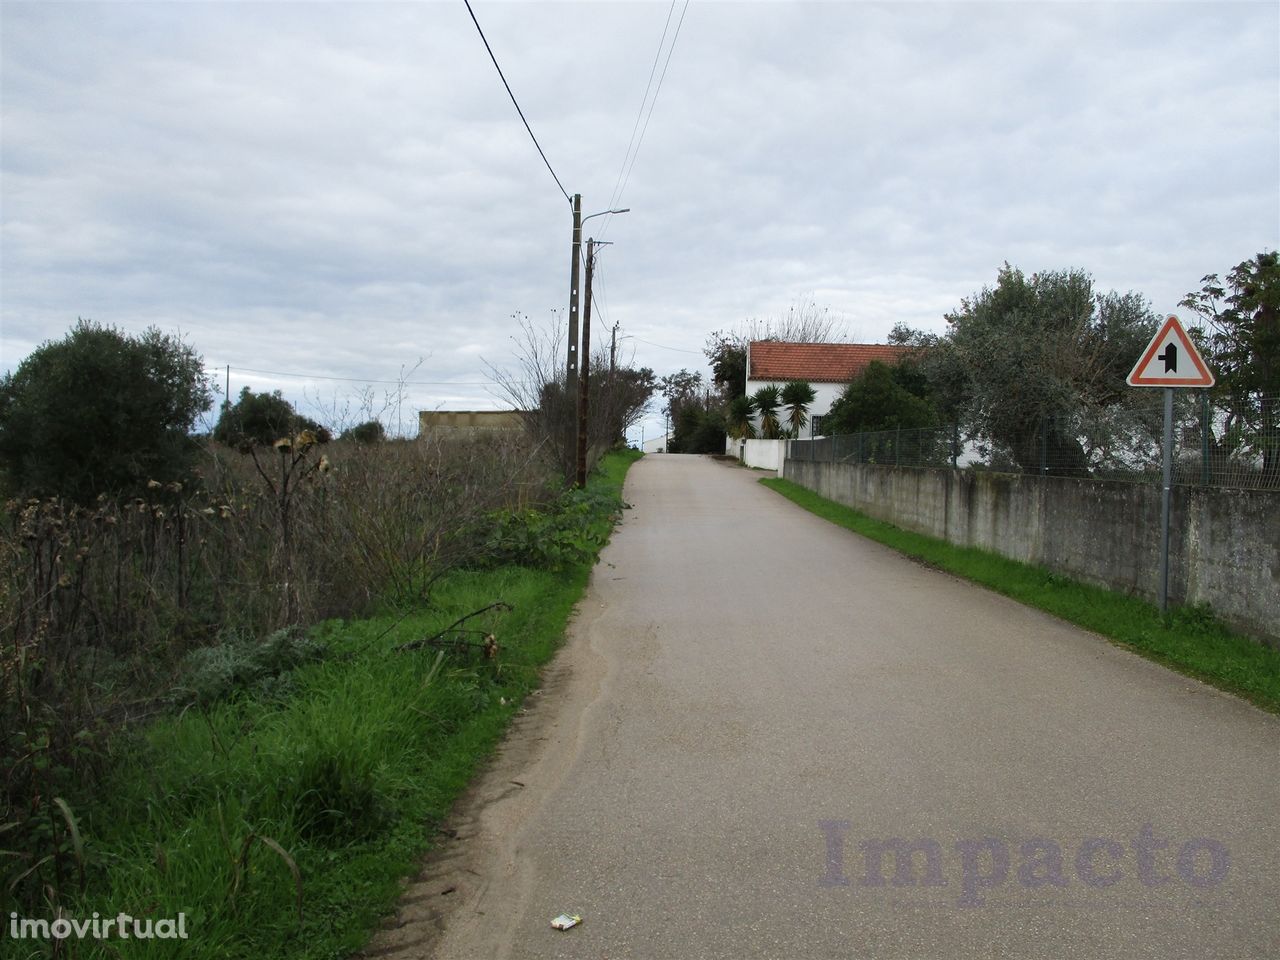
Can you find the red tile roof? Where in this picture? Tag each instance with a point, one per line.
(817, 362)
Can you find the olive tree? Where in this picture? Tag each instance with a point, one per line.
(1244, 350)
(1025, 361)
(101, 411)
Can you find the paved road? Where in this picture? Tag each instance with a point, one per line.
(751, 695)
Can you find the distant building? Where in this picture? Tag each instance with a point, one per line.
(656, 444)
(828, 367)
(467, 423)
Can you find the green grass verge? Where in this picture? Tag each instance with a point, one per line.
(1189, 639)
(346, 768)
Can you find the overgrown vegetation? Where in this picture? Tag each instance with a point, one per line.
(191, 589)
(284, 784)
(617, 395)
(1189, 640)
(100, 603)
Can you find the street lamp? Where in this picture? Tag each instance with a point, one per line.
(604, 212)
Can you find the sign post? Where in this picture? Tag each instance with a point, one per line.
(1166, 495)
(1170, 361)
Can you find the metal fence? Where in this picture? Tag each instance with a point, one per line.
(1215, 444)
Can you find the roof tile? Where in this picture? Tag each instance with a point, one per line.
(817, 362)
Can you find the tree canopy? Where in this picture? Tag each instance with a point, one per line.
(371, 431)
(1243, 349)
(876, 400)
(261, 418)
(1023, 361)
(101, 411)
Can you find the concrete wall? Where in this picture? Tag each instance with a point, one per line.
(1224, 544)
(656, 444)
(768, 454)
(454, 423)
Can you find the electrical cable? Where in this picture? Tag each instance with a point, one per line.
(653, 103)
(663, 345)
(513, 100)
(320, 376)
(643, 100)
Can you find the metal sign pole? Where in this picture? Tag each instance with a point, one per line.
(1171, 360)
(1164, 500)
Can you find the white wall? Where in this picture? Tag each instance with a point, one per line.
(826, 394)
(768, 454)
(655, 444)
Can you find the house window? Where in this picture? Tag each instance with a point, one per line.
(816, 425)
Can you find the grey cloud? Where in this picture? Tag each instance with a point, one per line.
(343, 188)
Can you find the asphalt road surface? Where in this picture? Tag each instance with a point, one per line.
(754, 703)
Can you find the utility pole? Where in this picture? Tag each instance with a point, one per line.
(571, 370)
(584, 376)
(227, 400)
(613, 352)
(573, 439)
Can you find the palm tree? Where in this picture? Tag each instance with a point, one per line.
(741, 426)
(767, 401)
(796, 397)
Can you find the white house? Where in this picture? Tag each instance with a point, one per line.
(828, 367)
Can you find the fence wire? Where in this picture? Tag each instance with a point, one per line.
(1215, 444)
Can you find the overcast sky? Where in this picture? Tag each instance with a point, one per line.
(341, 189)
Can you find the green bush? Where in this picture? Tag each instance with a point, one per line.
(262, 418)
(568, 532)
(101, 412)
(370, 431)
(238, 664)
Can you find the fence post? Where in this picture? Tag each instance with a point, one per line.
(897, 447)
(1205, 426)
(955, 445)
(1044, 446)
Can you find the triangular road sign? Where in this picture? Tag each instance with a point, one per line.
(1170, 360)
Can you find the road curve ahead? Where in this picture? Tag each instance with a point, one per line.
(768, 737)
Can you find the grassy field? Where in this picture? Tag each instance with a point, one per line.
(283, 819)
(1190, 639)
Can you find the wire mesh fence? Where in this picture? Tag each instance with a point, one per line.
(1219, 443)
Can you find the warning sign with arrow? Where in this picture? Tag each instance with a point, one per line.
(1170, 360)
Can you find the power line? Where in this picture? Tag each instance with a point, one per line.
(596, 271)
(604, 294)
(319, 376)
(513, 99)
(663, 345)
(643, 100)
(653, 103)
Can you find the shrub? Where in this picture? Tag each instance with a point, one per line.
(262, 418)
(216, 672)
(146, 393)
(370, 431)
(568, 532)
